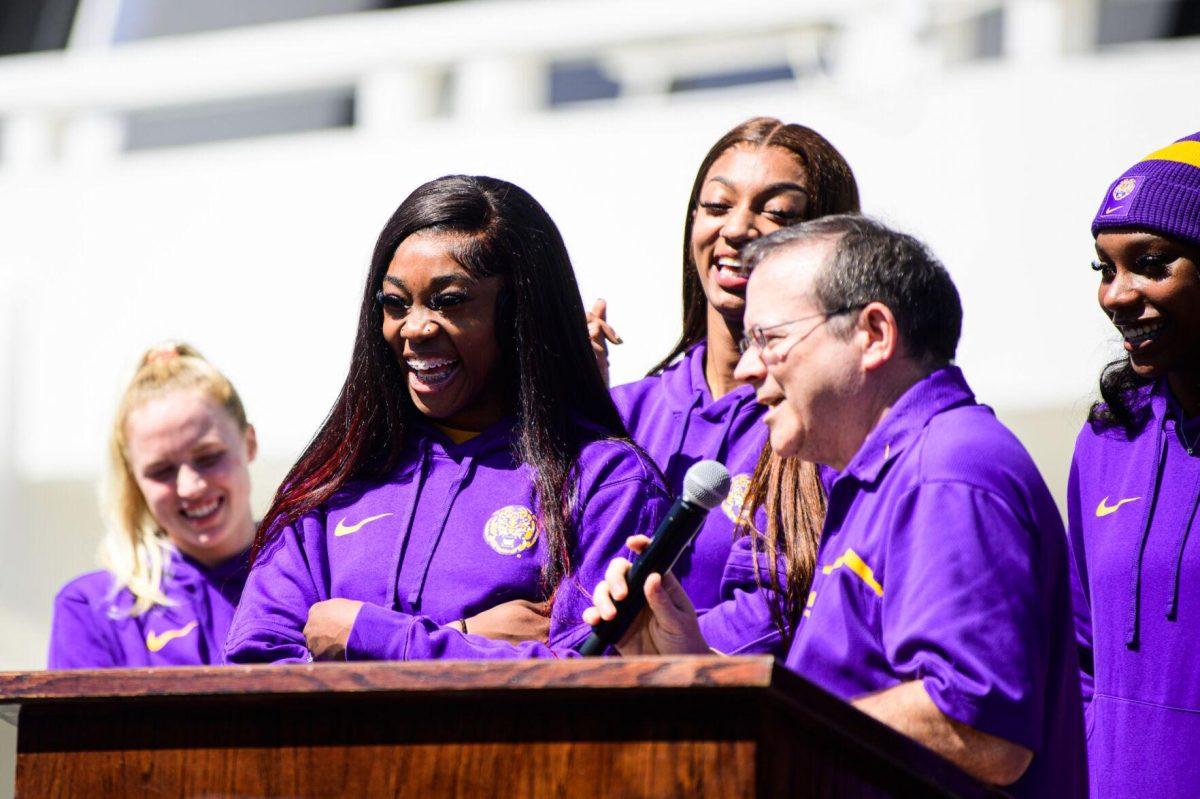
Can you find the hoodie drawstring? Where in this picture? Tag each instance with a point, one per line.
(216, 647)
(1173, 602)
(1160, 458)
(681, 434)
(402, 540)
(414, 596)
(731, 417)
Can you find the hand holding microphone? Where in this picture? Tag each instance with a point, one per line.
(670, 627)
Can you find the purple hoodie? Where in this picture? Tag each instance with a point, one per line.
(92, 627)
(450, 534)
(943, 559)
(675, 419)
(1131, 505)
(741, 623)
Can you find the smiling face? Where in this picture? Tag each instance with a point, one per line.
(813, 373)
(1150, 289)
(440, 321)
(748, 192)
(191, 462)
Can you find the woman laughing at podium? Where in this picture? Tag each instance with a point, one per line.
(473, 457)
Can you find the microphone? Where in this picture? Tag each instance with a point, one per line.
(704, 487)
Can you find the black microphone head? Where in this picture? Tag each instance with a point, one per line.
(706, 484)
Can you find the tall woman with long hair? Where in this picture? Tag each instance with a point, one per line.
(473, 456)
(760, 176)
(1134, 488)
(177, 498)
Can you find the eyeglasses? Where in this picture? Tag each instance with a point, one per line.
(757, 335)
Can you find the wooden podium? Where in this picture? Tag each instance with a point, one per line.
(654, 727)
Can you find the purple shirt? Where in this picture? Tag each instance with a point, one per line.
(943, 559)
(1131, 504)
(92, 627)
(450, 534)
(741, 623)
(675, 419)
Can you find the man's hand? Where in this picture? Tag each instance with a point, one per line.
(600, 332)
(514, 622)
(667, 626)
(328, 628)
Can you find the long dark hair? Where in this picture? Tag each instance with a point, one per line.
(549, 369)
(1120, 394)
(831, 190)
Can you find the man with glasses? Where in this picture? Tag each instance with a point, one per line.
(940, 602)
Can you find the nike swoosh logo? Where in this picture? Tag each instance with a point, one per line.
(156, 641)
(1104, 509)
(1113, 208)
(342, 529)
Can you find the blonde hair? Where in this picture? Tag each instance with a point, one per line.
(135, 547)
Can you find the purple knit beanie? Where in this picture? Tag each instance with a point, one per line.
(1160, 193)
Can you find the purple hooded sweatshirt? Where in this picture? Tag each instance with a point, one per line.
(943, 559)
(93, 628)
(450, 534)
(1131, 504)
(675, 419)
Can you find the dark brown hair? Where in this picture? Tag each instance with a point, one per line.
(790, 493)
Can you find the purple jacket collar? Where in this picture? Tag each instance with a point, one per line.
(1171, 407)
(938, 391)
(496, 436)
(687, 387)
(227, 576)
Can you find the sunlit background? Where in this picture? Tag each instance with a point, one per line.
(217, 172)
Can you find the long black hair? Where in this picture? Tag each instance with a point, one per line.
(549, 369)
(832, 189)
(1120, 404)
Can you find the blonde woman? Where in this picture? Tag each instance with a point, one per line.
(180, 524)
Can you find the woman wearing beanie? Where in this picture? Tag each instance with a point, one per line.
(1135, 487)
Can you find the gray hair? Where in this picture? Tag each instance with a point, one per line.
(873, 263)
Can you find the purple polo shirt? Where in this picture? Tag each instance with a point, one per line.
(675, 419)
(1131, 504)
(451, 533)
(943, 559)
(92, 626)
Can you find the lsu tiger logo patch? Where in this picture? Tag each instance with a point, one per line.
(511, 530)
(738, 488)
(1124, 189)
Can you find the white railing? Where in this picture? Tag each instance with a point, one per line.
(481, 59)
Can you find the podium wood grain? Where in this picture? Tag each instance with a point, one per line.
(653, 727)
